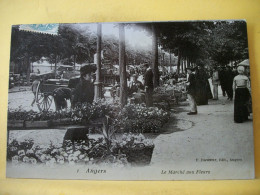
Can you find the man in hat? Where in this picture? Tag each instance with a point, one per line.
(230, 76)
(148, 85)
(191, 92)
(84, 91)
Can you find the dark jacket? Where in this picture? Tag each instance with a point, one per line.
(191, 88)
(84, 92)
(60, 95)
(148, 78)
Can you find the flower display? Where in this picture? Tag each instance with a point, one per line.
(136, 118)
(19, 114)
(84, 152)
(141, 119)
(132, 140)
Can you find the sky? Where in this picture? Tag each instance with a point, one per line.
(136, 38)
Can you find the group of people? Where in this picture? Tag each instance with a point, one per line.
(198, 88)
(144, 85)
(232, 84)
(223, 76)
(81, 90)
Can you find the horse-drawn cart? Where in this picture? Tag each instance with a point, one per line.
(44, 92)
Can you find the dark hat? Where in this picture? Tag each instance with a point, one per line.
(87, 69)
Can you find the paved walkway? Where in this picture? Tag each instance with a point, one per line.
(210, 134)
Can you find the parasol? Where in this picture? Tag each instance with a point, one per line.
(244, 63)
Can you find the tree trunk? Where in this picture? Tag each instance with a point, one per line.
(28, 69)
(74, 61)
(98, 83)
(182, 64)
(55, 65)
(188, 62)
(155, 57)
(185, 64)
(179, 61)
(122, 66)
(170, 65)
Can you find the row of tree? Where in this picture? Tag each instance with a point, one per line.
(207, 42)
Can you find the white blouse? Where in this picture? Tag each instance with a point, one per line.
(241, 81)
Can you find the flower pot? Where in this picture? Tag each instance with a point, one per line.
(37, 124)
(60, 122)
(139, 155)
(15, 123)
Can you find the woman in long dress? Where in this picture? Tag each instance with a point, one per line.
(241, 88)
(202, 94)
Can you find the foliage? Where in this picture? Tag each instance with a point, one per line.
(108, 131)
(92, 151)
(131, 140)
(20, 114)
(212, 42)
(83, 112)
(141, 119)
(132, 118)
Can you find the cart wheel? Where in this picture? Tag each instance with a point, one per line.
(43, 100)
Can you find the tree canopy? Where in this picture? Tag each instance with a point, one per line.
(214, 42)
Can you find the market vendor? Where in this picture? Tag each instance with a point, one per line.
(84, 91)
(135, 85)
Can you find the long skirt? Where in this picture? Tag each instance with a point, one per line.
(241, 113)
(201, 96)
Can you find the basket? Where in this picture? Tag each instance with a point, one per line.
(139, 155)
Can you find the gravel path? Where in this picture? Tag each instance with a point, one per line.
(210, 134)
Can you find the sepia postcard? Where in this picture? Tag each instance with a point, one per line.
(130, 101)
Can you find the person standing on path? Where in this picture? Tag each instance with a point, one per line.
(191, 92)
(222, 74)
(148, 85)
(230, 76)
(35, 84)
(201, 79)
(241, 87)
(215, 83)
(84, 91)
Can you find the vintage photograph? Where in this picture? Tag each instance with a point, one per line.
(130, 101)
